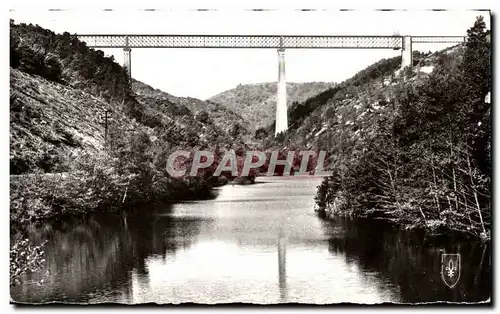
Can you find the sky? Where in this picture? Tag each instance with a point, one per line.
(203, 73)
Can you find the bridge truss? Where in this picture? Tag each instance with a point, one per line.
(403, 43)
(259, 41)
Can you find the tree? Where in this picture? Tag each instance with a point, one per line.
(476, 83)
(261, 133)
(202, 116)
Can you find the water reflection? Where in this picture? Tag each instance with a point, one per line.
(94, 257)
(412, 261)
(255, 244)
(282, 265)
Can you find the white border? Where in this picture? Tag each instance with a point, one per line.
(190, 4)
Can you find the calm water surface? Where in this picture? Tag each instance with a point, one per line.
(261, 243)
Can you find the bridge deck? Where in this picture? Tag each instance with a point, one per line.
(257, 41)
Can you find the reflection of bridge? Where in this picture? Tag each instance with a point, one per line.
(403, 43)
(282, 265)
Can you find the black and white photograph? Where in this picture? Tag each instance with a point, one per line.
(247, 156)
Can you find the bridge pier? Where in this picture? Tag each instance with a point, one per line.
(406, 53)
(281, 104)
(127, 61)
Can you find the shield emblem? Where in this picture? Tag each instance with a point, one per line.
(450, 269)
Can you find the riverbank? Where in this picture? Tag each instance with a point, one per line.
(40, 197)
(43, 196)
(431, 228)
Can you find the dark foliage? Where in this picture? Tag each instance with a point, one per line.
(62, 57)
(427, 161)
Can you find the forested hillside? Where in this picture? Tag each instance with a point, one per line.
(82, 140)
(221, 116)
(257, 102)
(411, 147)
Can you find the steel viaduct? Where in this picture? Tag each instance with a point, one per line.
(396, 42)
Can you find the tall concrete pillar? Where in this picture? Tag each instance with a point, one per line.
(406, 53)
(127, 62)
(281, 106)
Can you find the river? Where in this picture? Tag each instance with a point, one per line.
(260, 243)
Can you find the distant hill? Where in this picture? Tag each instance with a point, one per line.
(257, 102)
(220, 115)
